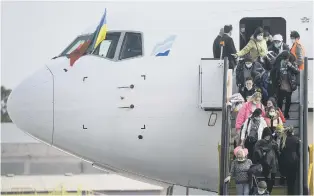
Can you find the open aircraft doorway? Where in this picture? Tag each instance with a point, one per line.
(274, 25)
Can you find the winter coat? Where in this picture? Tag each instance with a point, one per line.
(239, 171)
(290, 155)
(245, 112)
(276, 75)
(256, 69)
(278, 50)
(247, 127)
(228, 50)
(217, 47)
(261, 81)
(276, 121)
(255, 48)
(266, 152)
(282, 117)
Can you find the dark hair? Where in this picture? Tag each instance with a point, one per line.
(285, 54)
(257, 112)
(295, 34)
(248, 58)
(249, 78)
(266, 34)
(292, 58)
(227, 28)
(266, 132)
(267, 28)
(273, 100)
(258, 31)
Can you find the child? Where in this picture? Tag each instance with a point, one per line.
(261, 189)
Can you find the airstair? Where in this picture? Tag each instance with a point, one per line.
(298, 119)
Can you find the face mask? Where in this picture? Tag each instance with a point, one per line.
(272, 113)
(277, 45)
(292, 41)
(248, 87)
(260, 37)
(248, 65)
(254, 102)
(257, 117)
(260, 191)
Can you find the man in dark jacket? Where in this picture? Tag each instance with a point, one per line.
(289, 159)
(266, 153)
(247, 68)
(284, 80)
(216, 44)
(278, 45)
(229, 47)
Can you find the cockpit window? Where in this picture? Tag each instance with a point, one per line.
(132, 46)
(76, 44)
(107, 47)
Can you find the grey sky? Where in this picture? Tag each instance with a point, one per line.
(34, 32)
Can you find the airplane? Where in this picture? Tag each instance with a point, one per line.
(139, 105)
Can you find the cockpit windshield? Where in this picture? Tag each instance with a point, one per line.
(106, 48)
(130, 45)
(76, 44)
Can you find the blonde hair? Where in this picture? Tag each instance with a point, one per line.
(255, 95)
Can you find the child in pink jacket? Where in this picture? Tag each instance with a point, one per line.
(248, 108)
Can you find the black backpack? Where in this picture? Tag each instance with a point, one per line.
(253, 135)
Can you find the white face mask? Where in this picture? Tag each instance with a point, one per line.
(272, 113)
(254, 102)
(248, 65)
(257, 117)
(292, 41)
(277, 45)
(260, 37)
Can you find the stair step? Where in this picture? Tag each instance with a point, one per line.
(292, 122)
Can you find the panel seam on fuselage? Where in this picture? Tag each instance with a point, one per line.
(53, 104)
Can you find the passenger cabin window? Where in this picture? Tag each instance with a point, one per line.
(107, 47)
(274, 25)
(132, 46)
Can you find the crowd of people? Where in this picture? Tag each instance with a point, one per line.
(267, 74)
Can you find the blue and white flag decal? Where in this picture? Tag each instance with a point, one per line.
(163, 48)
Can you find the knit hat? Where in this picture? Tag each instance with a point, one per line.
(277, 37)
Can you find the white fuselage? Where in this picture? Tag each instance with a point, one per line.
(79, 110)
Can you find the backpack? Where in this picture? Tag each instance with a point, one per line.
(252, 137)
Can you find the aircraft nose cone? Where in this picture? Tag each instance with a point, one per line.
(30, 105)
